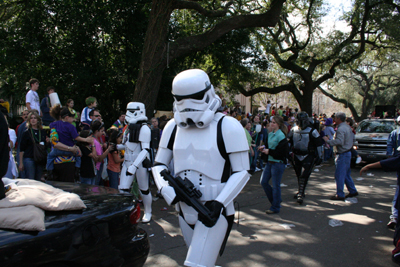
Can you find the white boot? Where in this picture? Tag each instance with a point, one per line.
(147, 200)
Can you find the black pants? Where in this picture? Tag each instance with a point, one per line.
(64, 172)
(303, 171)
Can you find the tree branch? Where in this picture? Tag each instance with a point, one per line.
(346, 103)
(185, 46)
(201, 10)
(290, 87)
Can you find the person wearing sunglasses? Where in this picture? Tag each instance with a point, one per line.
(94, 115)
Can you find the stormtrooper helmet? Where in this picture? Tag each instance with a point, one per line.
(303, 120)
(135, 112)
(195, 99)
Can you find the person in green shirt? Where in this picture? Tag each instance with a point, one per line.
(276, 149)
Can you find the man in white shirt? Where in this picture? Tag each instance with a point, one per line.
(32, 97)
(268, 108)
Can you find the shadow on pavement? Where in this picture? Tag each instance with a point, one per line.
(300, 235)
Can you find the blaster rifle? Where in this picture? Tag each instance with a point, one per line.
(187, 193)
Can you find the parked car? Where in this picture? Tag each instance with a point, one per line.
(371, 138)
(106, 233)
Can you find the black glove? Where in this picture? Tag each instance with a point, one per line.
(215, 208)
(147, 163)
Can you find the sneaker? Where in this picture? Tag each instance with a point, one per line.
(392, 223)
(257, 169)
(358, 160)
(319, 166)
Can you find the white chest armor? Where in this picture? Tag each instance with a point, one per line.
(198, 151)
(197, 157)
(132, 149)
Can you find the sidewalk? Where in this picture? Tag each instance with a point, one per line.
(300, 235)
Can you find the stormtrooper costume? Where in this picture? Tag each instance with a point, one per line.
(307, 149)
(212, 152)
(136, 142)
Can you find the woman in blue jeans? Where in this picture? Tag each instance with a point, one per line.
(34, 133)
(277, 150)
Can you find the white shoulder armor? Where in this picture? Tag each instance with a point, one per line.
(166, 133)
(145, 136)
(234, 135)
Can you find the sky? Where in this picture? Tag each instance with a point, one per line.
(337, 8)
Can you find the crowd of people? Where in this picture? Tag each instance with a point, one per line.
(81, 148)
(276, 142)
(74, 146)
(70, 146)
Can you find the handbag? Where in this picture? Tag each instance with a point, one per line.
(39, 151)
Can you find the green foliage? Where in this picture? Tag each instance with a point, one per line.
(81, 47)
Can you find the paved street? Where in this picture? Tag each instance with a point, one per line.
(263, 240)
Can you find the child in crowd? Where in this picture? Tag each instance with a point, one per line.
(114, 157)
(100, 154)
(88, 170)
(91, 103)
(62, 131)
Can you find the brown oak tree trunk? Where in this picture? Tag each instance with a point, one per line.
(154, 55)
(306, 100)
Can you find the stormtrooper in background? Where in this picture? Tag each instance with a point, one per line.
(212, 152)
(136, 142)
(307, 149)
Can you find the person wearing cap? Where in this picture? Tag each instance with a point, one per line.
(45, 107)
(329, 132)
(393, 143)
(62, 131)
